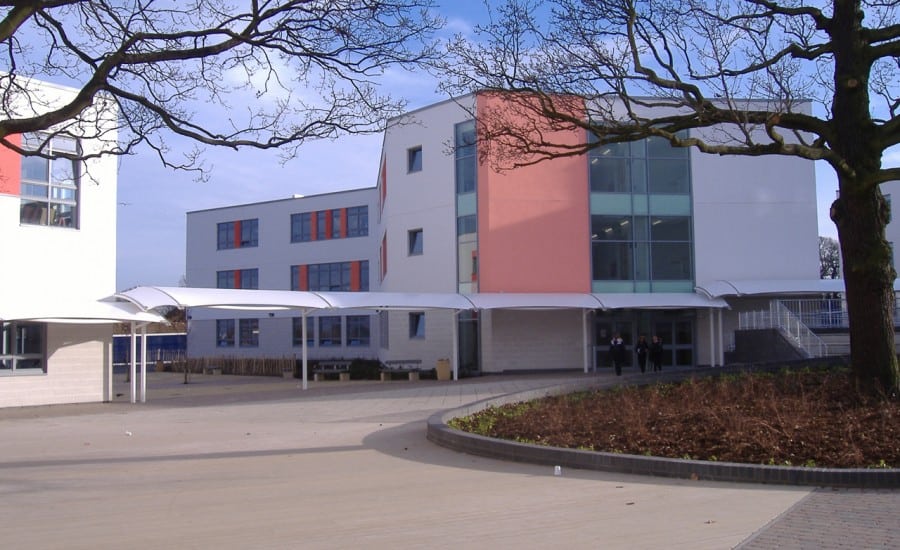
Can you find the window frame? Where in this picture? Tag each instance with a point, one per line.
(12, 351)
(416, 325)
(359, 331)
(328, 325)
(248, 333)
(414, 159)
(225, 333)
(59, 205)
(415, 242)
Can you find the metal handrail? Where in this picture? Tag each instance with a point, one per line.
(783, 319)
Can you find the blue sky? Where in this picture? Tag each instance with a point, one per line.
(153, 200)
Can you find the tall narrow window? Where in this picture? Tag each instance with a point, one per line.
(414, 159)
(301, 227)
(225, 333)
(330, 331)
(321, 225)
(358, 221)
(297, 331)
(358, 330)
(415, 242)
(417, 324)
(249, 333)
(50, 186)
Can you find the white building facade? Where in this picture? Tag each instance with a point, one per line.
(639, 226)
(58, 229)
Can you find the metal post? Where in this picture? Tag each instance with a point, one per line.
(132, 359)
(585, 337)
(454, 344)
(144, 364)
(303, 384)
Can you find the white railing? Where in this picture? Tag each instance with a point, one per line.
(780, 317)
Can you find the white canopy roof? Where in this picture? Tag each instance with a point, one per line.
(153, 297)
(519, 300)
(717, 289)
(279, 300)
(395, 300)
(659, 300)
(72, 311)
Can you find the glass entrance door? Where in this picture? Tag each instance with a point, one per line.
(604, 330)
(678, 341)
(469, 348)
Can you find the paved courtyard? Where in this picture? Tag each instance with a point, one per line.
(230, 462)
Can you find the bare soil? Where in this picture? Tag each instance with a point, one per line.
(797, 418)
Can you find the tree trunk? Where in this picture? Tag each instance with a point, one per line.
(861, 214)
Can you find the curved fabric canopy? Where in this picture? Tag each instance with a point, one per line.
(521, 300)
(151, 298)
(395, 300)
(72, 311)
(659, 300)
(720, 288)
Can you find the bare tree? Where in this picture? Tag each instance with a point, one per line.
(277, 72)
(623, 70)
(829, 258)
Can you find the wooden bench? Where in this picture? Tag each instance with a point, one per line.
(411, 367)
(323, 368)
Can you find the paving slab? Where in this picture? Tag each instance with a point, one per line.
(231, 462)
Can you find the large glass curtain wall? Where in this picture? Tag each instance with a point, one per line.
(641, 222)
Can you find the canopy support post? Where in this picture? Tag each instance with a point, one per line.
(303, 384)
(132, 364)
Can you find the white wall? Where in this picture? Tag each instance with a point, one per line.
(422, 200)
(47, 264)
(534, 340)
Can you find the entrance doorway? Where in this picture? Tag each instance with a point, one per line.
(604, 330)
(469, 326)
(674, 327)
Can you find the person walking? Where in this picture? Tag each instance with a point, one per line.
(617, 353)
(641, 349)
(656, 351)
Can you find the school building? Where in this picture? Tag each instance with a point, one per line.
(637, 238)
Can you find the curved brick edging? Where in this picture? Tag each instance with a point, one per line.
(439, 433)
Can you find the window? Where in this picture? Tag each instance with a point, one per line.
(358, 330)
(301, 227)
(333, 276)
(358, 221)
(49, 187)
(466, 225)
(329, 331)
(249, 332)
(21, 348)
(414, 159)
(417, 324)
(464, 140)
(239, 234)
(225, 333)
(241, 278)
(415, 242)
(297, 331)
(321, 228)
(336, 223)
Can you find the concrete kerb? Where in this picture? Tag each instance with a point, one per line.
(441, 434)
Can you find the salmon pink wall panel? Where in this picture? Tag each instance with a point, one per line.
(10, 169)
(534, 225)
